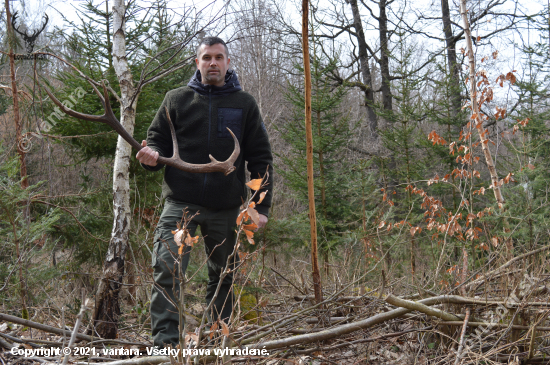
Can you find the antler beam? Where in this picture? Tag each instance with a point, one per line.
(110, 119)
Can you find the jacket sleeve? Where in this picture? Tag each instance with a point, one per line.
(158, 135)
(257, 152)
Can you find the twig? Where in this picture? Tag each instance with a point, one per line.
(288, 281)
(83, 309)
(510, 262)
(462, 335)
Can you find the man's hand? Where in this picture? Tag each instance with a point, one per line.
(149, 157)
(262, 223)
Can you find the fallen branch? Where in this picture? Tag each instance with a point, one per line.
(493, 325)
(43, 327)
(457, 299)
(58, 331)
(5, 344)
(343, 329)
(363, 340)
(19, 340)
(147, 360)
(301, 298)
(434, 312)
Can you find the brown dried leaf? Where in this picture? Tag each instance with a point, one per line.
(254, 184)
(225, 329)
(249, 236)
(213, 329)
(250, 227)
(262, 196)
(190, 336)
(253, 215)
(241, 216)
(190, 241)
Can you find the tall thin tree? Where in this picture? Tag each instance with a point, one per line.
(309, 155)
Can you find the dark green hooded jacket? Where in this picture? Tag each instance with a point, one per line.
(200, 114)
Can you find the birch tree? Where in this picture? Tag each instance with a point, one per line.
(107, 307)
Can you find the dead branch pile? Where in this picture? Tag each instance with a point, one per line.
(422, 327)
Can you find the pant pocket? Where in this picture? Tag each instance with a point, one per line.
(156, 242)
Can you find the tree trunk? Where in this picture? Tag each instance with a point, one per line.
(316, 275)
(365, 69)
(454, 68)
(384, 58)
(16, 118)
(21, 151)
(107, 308)
(475, 108)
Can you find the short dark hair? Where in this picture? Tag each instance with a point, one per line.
(210, 41)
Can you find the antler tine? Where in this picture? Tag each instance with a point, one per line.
(45, 23)
(37, 32)
(97, 92)
(176, 153)
(13, 20)
(108, 110)
(236, 151)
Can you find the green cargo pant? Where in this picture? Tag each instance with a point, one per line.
(217, 226)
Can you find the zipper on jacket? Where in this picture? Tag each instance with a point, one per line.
(208, 145)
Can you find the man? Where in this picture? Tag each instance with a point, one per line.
(201, 111)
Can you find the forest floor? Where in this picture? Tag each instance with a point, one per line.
(497, 317)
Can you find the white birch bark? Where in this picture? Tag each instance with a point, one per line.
(107, 307)
(121, 184)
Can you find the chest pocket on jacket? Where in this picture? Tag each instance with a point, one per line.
(229, 118)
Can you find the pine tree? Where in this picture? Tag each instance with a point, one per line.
(331, 131)
(529, 144)
(401, 138)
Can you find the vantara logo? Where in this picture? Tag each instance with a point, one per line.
(29, 39)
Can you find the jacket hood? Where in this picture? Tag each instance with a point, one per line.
(231, 84)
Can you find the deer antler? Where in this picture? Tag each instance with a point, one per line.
(37, 32)
(13, 20)
(175, 161)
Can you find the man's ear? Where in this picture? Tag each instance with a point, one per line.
(197, 62)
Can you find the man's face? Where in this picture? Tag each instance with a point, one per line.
(213, 63)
